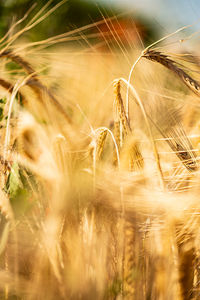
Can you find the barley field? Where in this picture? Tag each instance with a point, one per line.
(99, 164)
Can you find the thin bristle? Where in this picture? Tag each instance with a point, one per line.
(169, 126)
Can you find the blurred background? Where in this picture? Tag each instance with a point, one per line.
(148, 18)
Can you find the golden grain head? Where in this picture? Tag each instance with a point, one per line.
(99, 193)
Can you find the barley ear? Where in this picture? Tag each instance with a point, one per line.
(171, 65)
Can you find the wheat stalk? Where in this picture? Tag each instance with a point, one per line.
(130, 151)
(170, 64)
(100, 143)
(120, 107)
(9, 87)
(34, 81)
(131, 156)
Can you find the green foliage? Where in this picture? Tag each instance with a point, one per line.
(73, 13)
(14, 67)
(3, 100)
(1, 113)
(70, 15)
(14, 181)
(18, 192)
(2, 104)
(114, 289)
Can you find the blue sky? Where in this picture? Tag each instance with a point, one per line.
(168, 14)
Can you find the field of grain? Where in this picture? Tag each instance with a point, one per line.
(99, 167)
